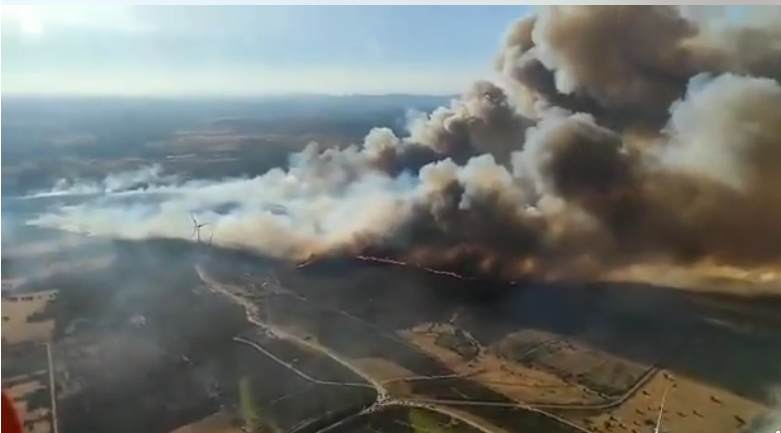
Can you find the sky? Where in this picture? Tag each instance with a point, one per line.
(249, 50)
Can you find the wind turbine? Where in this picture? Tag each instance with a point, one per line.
(197, 228)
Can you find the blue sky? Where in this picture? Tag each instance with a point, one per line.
(222, 50)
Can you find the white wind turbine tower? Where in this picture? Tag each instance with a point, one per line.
(197, 229)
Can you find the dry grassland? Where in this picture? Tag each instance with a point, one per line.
(690, 407)
(16, 309)
(518, 382)
(36, 421)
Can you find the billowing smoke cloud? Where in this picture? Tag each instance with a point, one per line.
(618, 134)
(142, 178)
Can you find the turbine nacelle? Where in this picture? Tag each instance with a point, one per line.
(196, 233)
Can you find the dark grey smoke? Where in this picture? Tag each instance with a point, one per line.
(617, 134)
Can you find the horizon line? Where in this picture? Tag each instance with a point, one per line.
(22, 95)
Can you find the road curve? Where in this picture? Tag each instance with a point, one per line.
(384, 399)
(380, 404)
(295, 370)
(250, 308)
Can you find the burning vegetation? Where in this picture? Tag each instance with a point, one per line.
(615, 135)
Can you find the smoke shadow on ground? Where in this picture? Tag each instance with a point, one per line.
(115, 373)
(725, 340)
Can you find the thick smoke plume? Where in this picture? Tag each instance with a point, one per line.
(617, 135)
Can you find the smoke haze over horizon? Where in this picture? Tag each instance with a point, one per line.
(616, 135)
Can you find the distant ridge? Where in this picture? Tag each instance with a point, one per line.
(249, 98)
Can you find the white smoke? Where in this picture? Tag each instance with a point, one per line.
(721, 143)
(284, 213)
(143, 178)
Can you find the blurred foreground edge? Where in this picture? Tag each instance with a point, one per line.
(10, 416)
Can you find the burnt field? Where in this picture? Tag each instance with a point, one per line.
(354, 334)
(141, 345)
(356, 339)
(137, 347)
(655, 326)
(183, 362)
(311, 393)
(23, 359)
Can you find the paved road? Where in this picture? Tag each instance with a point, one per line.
(384, 399)
(295, 370)
(391, 402)
(604, 406)
(52, 391)
(252, 316)
(427, 378)
(276, 287)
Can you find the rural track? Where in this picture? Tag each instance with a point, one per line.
(429, 378)
(611, 403)
(295, 370)
(602, 406)
(384, 399)
(52, 389)
(250, 308)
